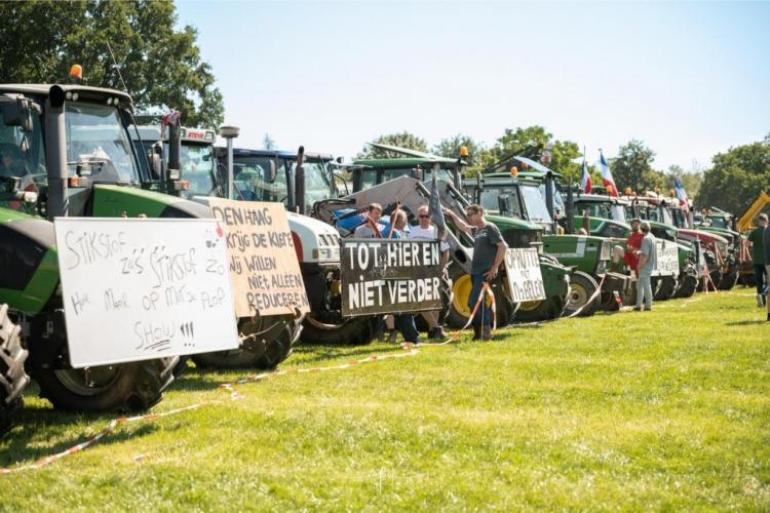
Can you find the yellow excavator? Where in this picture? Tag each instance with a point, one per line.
(749, 216)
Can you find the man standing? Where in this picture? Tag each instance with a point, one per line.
(488, 253)
(648, 260)
(758, 258)
(426, 231)
(766, 242)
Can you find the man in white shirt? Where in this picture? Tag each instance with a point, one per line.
(370, 229)
(426, 231)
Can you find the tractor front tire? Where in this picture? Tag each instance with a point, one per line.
(665, 288)
(687, 286)
(13, 379)
(582, 287)
(267, 342)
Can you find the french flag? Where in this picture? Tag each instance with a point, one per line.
(681, 194)
(607, 180)
(585, 179)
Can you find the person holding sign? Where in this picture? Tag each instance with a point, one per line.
(370, 229)
(488, 253)
(426, 231)
(648, 260)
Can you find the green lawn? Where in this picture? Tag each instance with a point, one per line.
(666, 410)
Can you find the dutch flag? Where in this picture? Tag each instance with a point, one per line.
(585, 179)
(607, 180)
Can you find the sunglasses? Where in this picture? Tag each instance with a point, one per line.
(423, 216)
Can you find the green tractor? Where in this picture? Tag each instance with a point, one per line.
(73, 157)
(518, 233)
(524, 196)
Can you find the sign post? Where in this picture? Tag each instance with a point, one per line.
(525, 281)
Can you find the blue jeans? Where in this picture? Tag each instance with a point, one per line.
(484, 314)
(644, 291)
(405, 325)
(760, 277)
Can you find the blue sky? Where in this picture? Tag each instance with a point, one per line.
(688, 79)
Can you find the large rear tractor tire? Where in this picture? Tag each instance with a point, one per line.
(687, 286)
(353, 331)
(459, 312)
(582, 287)
(13, 379)
(664, 288)
(265, 342)
(124, 387)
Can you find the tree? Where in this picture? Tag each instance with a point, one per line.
(691, 180)
(268, 143)
(633, 168)
(450, 147)
(736, 177)
(158, 65)
(532, 142)
(403, 139)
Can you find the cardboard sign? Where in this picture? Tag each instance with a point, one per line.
(137, 289)
(390, 276)
(525, 281)
(667, 258)
(263, 262)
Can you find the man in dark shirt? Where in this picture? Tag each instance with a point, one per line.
(766, 242)
(488, 253)
(758, 258)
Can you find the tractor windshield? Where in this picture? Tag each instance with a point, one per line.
(198, 168)
(618, 213)
(22, 158)
(98, 141)
(489, 202)
(257, 179)
(535, 203)
(317, 181)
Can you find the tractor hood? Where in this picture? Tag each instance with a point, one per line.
(115, 200)
(701, 235)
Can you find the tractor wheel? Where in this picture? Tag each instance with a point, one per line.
(728, 279)
(544, 310)
(266, 342)
(13, 379)
(665, 288)
(347, 332)
(123, 387)
(687, 286)
(459, 312)
(581, 287)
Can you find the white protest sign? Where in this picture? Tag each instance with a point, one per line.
(525, 281)
(137, 289)
(667, 257)
(267, 279)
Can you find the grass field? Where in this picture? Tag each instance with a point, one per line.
(668, 410)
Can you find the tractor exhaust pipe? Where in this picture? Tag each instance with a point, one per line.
(174, 148)
(300, 181)
(56, 154)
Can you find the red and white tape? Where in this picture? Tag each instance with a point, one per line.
(114, 424)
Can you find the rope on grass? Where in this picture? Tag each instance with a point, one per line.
(114, 424)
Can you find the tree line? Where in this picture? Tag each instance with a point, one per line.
(133, 45)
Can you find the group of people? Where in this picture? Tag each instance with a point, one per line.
(760, 259)
(488, 254)
(642, 257)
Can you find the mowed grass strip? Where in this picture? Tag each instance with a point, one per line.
(667, 410)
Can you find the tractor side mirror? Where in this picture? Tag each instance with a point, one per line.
(273, 172)
(17, 113)
(504, 204)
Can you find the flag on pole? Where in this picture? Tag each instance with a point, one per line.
(681, 194)
(585, 179)
(607, 180)
(436, 214)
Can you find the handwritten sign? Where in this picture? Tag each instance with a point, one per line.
(667, 258)
(390, 276)
(525, 281)
(267, 279)
(137, 289)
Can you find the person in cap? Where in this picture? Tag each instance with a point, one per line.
(758, 259)
(648, 260)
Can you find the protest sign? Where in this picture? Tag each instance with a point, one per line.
(667, 258)
(522, 265)
(267, 279)
(136, 289)
(390, 276)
